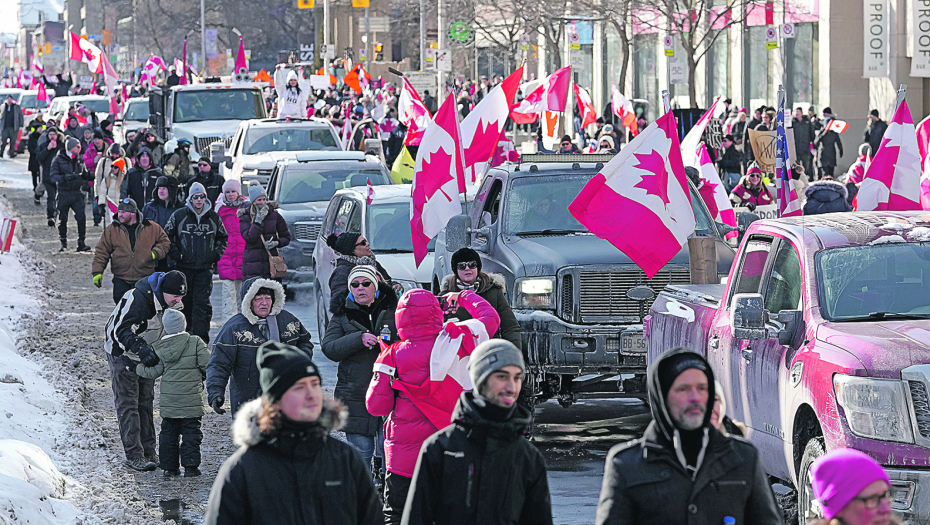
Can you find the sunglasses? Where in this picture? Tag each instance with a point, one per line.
(754, 176)
(872, 502)
(468, 265)
(366, 284)
(363, 242)
(199, 196)
(566, 143)
(204, 165)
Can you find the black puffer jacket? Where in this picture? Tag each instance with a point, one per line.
(68, 173)
(298, 475)
(235, 346)
(45, 156)
(139, 183)
(491, 289)
(212, 182)
(479, 472)
(828, 143)
(197, 240)
(826, 196)
(136, 319)
(646, 484)
(160, 211)
(343, 344)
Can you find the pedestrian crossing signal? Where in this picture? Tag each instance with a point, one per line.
(304, 4)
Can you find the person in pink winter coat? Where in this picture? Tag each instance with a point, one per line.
(96, 150)
(419, 319)
(230, 265)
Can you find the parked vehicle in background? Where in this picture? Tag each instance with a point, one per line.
(820, 339)
(96, 103)
(303, 187)
(259, 145)
(135, 117)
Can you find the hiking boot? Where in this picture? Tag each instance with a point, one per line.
(140, 464)
(191, 472)
(171, 473)
(84, 248)
(64, 247)
(37, 201)
(51, 223)
(153, 457)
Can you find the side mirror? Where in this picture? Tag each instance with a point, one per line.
(748, 317)
(457, 233)
(788, 323)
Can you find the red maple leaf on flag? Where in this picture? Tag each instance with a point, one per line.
(482, 136)
(90, 55)
(438, 171)
(656, 182)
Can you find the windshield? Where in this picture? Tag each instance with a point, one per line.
(540, 203)
(137, 111)
(389, 228)
(305, 184)
(856, 281)
(262, 140)
(218, 104)
(31, 101)
(97, 106)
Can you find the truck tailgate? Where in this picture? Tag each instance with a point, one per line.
(681, 316)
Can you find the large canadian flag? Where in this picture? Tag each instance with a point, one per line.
(640, 200)
(892, 181)
(83, 51)
(482, 128)
(713, 193)
(413, 113)
(691, 144)
(586, 105)
(438, 178)
(530, 107)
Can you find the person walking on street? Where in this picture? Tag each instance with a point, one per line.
(198, 240)
(803, 140)
(130, 244)
(506, 480)
(264, 231)
(139, 182)
(683, 457)
(11, 121)
(108, 176)
(178, 162)
(147, 139)
(66, 171)
(875, 130)
(206, 175)
(34, 130)
(852, 488)
(360, 312)
(134, 325)
(182, 366)
(827, 143)
(288, 468)
(230, 265)
(50, 144)
(261, 318)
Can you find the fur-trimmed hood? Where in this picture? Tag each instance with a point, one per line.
(828, 186)
(245, 431)
(486, 280)
(251, 287)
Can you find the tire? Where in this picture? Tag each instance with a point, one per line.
(527, 398)
(321, 321)
(814, 449)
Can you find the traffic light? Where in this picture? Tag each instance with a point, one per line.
(379, 52)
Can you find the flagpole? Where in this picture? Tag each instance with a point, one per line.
(781, 190)
(666, 101)
(902, 90)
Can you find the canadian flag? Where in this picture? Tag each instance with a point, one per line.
(691, 144)
(586, 105)
(483, 126)
(413, 113)
(640, 200)
(530, 107)
(150, 71)
(712, 191)
(83, 51)
(42, 96)
(892, 181)
(556, 95)
(438, 178)
(371, 191)
(838, 126)
(923, 144)
(346, 130)
(623, 108)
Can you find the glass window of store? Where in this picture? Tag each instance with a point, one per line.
(645, 74)
(801, 66)
(756, 81)
(717, 57)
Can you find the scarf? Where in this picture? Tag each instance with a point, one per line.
(369, 260)
(473, 286)
(492, 412)
(269, 328)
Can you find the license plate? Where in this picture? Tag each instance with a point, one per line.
(632, 342)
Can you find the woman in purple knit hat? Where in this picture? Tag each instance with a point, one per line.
(852, 489)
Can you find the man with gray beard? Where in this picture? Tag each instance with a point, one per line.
(683, 470)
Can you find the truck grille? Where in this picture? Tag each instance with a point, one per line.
(921, 406)
(568, 295)
(602, 294)
(307, 231)
(203, 144)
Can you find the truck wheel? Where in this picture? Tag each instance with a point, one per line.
(814, 449)
(528, 399)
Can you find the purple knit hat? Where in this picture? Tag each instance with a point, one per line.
(841, 474)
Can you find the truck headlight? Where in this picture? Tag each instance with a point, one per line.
(408, 285)
(536, 293)
(875, 408)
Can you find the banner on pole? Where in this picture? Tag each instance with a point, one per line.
(210, 38)
(875, 39)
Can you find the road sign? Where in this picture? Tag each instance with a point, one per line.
(423, 81)
(362, 54)
(379, 24)
(577, 59)
(86, 82)
(574, 40)
(524, 42)
(360, 3)
(306, 53)
(771, 38)
(48, 48)
(669, 46)
(328, 51)
(304, 4)
(787, 30)
(461, 33)
(443, 60)
(430, 59)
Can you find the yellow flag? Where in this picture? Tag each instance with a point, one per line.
(360, 3)
(402, 171)
(304, 4)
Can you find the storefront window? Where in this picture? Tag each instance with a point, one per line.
(645, 74)
(717, 68)
(802, 66)
(756, 80)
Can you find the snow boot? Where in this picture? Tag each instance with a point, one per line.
(64, 246)
(81, 247)
(171, 473)
(51, 223)
(191, 472)
(153, 457)
(140, 464)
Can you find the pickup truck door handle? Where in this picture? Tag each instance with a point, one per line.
(746, 353)
(714, 342)
(333, 262)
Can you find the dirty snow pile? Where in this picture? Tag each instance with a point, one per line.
(31, 487)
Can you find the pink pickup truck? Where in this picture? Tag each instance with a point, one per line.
(821, 339)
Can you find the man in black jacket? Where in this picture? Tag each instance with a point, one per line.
(131, 329)
(67, 171)
(729, 164)
(198, 240)
(827, 142)
(47, 148)
(803, 140)
(34, 130)
(139, 182)
(875, 130)
(683, 470)
(481, 470)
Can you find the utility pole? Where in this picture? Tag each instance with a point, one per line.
(422, 34)
(441, 42)
(369, 46)
(326, 27)
(203, 39)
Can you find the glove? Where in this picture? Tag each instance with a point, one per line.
(217, 405)
(269, 245)
(98, 279)
(148, 357)
(260, 214)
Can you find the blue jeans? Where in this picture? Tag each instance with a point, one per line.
(730, 180)
(367, 446)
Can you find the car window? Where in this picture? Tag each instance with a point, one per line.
(97, 106)
(492, 204)
(783, 291)
(752, 266)
(342, 216)
(31, 101)
(355, 220)
(218, 104)
(262, 140)
(389, 228)
(306, 184)
(328, 219)
(137, 111)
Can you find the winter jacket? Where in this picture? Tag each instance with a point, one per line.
(297, 475)
(91, 155)
(160, 211)
(874, 133)
(139, 183)
(128, 262)
(106, 186)
(35, 130)
(198, 240)
(731, 161)
(292, 101)
(645, 482)
(826, 196)
(68, 173)
(136, 319)
(230, 265)
(178, 165)
(803, 135)
(45, 156)
(827, 143)
(212, 182)
(74, 129)
(480, 472)
(419, 322)
(343, 344)
(491, 288)
(235, 346)
(273, 227)
(339, 279)
(856, 172)
(742, 196)
(182, 366)
(16, 114)
(156, 147)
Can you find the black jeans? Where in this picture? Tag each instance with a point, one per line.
(71, 200)
(134, 398)
(51, 203)
(179, 441)
(120, 287)
(396, 488)
(8, 135)
(197, 307)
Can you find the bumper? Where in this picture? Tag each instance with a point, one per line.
(909, 494)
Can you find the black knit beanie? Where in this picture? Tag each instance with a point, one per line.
(173, 283)
(465, 255)
(280, 366)
(672, 367)
(344, 243)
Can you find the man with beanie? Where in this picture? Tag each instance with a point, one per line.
(481, 469)
(875, 129)
(205, 174)
(198, 240)
(182, 366)
(130, 244)
(701, 475)
(131, 329)
(852, 488)
(50, 144)
(288, 469)
(261, 318)
(69, 175)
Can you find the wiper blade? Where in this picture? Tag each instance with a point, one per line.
(550, 231)
(393, 250)
(879, 316)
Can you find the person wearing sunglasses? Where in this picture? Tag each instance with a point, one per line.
(352, 248)
(567, 147)
(206, 175)
(751, 191)
(852, 488)
(360, 312)
(264, 231)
